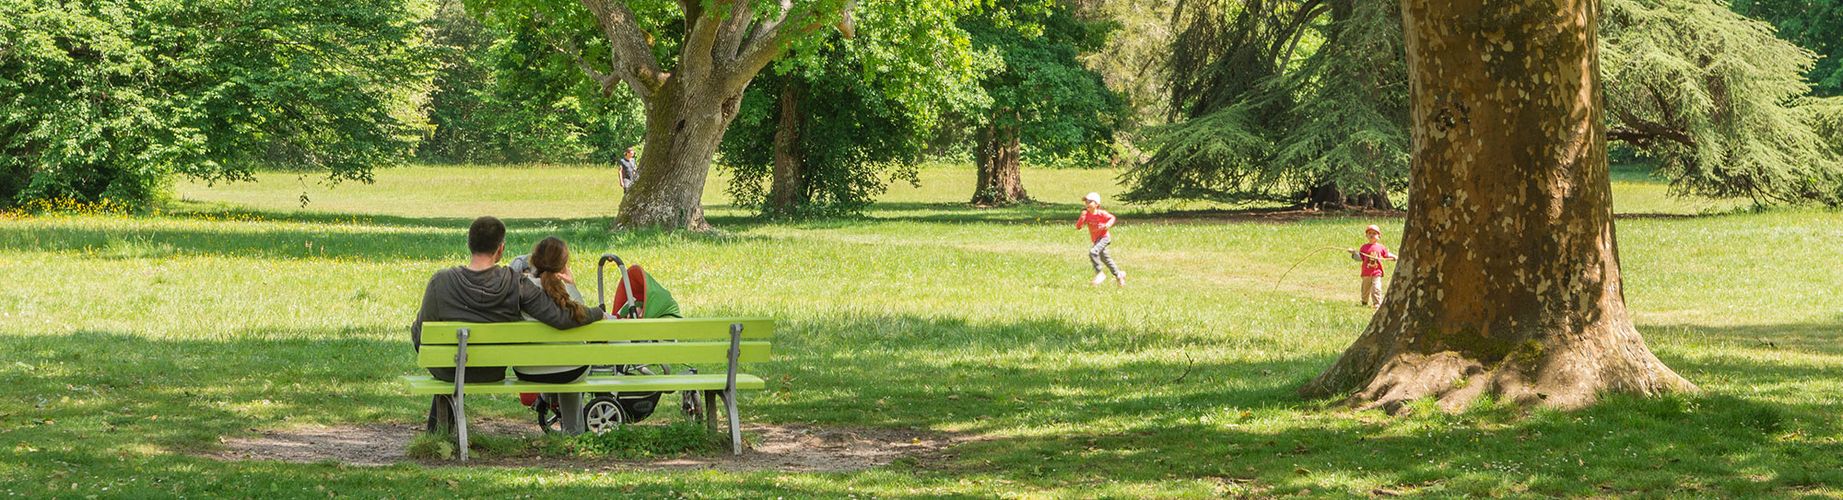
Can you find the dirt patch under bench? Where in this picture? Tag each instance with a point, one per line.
(797, 448)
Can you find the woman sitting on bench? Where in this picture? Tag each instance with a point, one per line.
(549, 268)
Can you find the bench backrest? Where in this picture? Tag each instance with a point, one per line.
(611, 342)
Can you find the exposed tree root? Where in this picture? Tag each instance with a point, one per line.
(1567, 377)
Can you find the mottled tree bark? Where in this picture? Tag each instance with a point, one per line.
(1001, 181)
(682, 135)
(786, 185)
(687, 109)
(1509, 281)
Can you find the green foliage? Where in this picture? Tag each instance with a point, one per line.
(638, 442)
(1816, 25)
(1328, 127)
(430, 446)
(866, 108)
(503, 95)
(850, 139)
(1066, 115)
(459, 113)
(1134, 62)
(106, 99)
(221, 321)
(1347, 131)
(1715, 98)
(1712, 96)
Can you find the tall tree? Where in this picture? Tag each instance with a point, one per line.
(503, 96)
(1509, 282)
(1283, 101)
(689, 62)
(1134, 60)
(1715, 98)
(1816, 25)
(1043, 98)
(1712, 96)
(836, 119)
(108, 99)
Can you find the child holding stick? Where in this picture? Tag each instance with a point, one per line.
(1372, 254)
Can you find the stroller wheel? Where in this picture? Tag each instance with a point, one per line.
(549, 420)
(603, 414)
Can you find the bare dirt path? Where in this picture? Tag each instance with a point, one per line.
(794, 448)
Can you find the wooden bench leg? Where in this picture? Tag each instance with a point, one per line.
(710, 410)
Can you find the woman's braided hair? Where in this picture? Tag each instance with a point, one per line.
(549, 258)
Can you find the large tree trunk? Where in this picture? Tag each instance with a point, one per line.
(683, 128)
(1327, 196)
(786, 186)
(1509, 280)
(1000, 180)
(722, 45)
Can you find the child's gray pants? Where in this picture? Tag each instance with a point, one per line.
(1098, 255)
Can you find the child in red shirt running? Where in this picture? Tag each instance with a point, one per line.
(1098, 222)
(1372, 254)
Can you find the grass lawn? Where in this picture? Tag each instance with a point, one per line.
(129, 346)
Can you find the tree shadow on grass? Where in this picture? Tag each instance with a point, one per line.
(1824, 338)
(1058, 404)
(1051, 404)
(400, 238)
(915, 371)
(1708, 445)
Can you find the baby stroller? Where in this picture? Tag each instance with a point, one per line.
(606, 411)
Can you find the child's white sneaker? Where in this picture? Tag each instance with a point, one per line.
(1098, 279)
(1121, 278)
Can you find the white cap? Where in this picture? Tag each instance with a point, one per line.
(1094, 197)
(1372, 229)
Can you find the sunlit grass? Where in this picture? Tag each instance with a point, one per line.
(127, 344)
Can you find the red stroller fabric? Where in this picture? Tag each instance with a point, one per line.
(635, 276)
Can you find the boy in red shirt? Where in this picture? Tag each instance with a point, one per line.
(1098, 222)
(1372, 254)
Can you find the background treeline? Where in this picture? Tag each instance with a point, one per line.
(1305, 101)
(1294, 102)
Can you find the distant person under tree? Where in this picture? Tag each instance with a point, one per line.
(629, 169)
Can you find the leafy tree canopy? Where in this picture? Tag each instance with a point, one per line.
(1319, 113)
(106, 99)
(1064, 113)
(1717, 99)
(1714, 97)
(503, 94)
(865, 108)
(1814, 24)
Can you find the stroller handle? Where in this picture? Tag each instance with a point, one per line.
(601, 294)
(608, 257)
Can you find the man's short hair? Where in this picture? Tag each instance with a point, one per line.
(486, 235)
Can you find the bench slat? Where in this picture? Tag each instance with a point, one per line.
(591, 354)
(442, 332)
(424, 384)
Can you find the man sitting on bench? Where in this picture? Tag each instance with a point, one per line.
(485, 292)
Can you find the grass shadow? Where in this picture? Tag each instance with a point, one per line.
(1053, 404)
(341, 238)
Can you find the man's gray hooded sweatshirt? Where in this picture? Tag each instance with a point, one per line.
(492, 296)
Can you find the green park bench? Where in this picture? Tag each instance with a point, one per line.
(714, 341)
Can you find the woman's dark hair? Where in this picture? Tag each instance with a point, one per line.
(550, 257)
